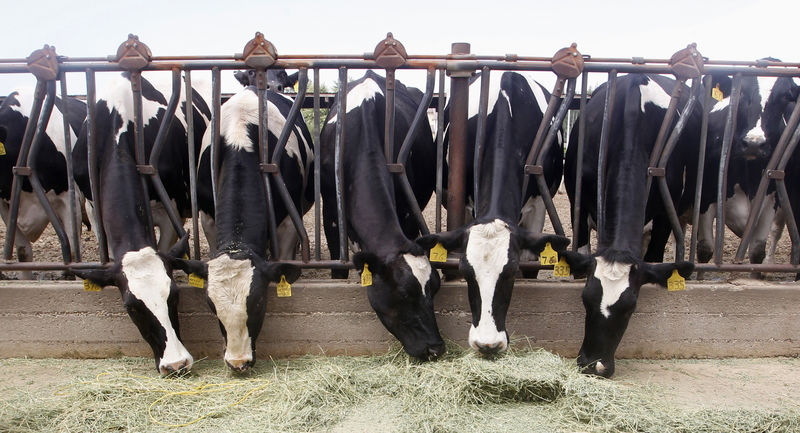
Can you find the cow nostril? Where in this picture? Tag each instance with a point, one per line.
(175, 368)
(490, 349)
(435, 352)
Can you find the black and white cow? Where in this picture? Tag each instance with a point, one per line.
(143, 275)
(277, 79)
(378, 217)
(239, 274)
(616, 272)
(494, 241)
(51, 163)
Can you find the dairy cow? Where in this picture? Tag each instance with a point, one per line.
(142, 273)
(238, 273)
(494, 242)
(277, 79)
(616, 272)
(379, 219)
(51, 163)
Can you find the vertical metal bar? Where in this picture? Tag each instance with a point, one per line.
(75, 212)
(579, 164)
(263, 148)
(317, 179)
(341, 111)
(388, 132)
(215, 125)
(459, 112)
(611, 90)
(480, 137)
(783, 197)
(439, 150)
(139, 150)
(722, 185)
(91, 154)
(673, 218)
(666, 123)
(16, 183)
(701, 161)
(190, 138)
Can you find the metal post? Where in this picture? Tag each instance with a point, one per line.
(722, 185)
(190, 138)
(317, 178)
(341, 111)
(75, 212)
(701, 161)
(579, 166)
(93, 163)
(439, 150)
(459, 111)
(263, 148)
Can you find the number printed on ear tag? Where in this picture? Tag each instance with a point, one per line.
(561, 269)
(91, 287)
(366, 276)
(284, 288)
(196, 281)
(438, 253)
(548, 256)
(676, 282)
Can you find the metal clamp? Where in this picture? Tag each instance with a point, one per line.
(22, 171)
(534, 169)
(567, 62)
(146, 169)
(687, 63)
(656, 171)
(44, 63)
(396, 168)
(133, 55)
(259, 52)
(776, 174)
(269, 168)
(390, 53)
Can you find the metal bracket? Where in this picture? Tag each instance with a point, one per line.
(44, 63)
(269, 168)
(259, 52)
(390, 53)
(776, 174)
(656, 171)
(22, 171)
(133, 55)
(567, 62)
(687, 63)
(146, 169)
(534, 169)
(396, 168)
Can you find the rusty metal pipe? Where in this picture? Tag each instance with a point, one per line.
(439, 150)
(317, 174)
(75, 212)
(459, 112)
(388, 133)
(579, 165)
(263, 151)
(783, 197)
(701, 161)
(190, 140)
(93, 163)
(536, 146)
(339, 165)
(725, 156)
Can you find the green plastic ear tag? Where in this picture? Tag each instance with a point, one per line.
(284, 288)
(366, 276)
(196, 281)
(676, 282)
(91, 287)
(716, 93)
(561, 269)
(438, 253)
(2, 149)
(548, 256)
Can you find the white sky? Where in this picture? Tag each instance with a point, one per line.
(722, 29)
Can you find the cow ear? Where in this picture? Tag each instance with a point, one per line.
(197, 267)
(291, 79)
(451, 240)
(578, 263)
(273, 271)
(660, 273)
(375, 263)
(100, 277)
(181, 248)
(724, 82)
(535, 243)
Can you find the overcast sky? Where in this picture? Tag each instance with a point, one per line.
(724, 30)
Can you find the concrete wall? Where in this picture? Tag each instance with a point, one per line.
(59, 319)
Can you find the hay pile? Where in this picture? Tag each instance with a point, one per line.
(522, 391)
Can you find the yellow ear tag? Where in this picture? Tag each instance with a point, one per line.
(716, 93)
(438, 253)
(91, 287)
(2, 149)
(548, 256)
(676, 282)
(366, 276)
(561, 269)
(196, 281)
(284, 288)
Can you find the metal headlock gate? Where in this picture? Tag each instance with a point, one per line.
(389, 55)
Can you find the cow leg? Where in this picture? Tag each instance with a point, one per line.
(330, 225)
(287, 239)
(532, 219)
(659, 236)
(775, 234)
(210, 230)
(24, 248)
(758, 245)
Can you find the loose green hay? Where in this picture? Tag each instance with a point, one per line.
(524, 390)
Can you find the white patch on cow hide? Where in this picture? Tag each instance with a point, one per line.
(228, 287)
(613, 278)
(360, 93)
(721, 105)
(55, 128)
(756, 135)
(487, 253)
(508, 101)
(538, 93)
(148, 281)
(421, 268)
(765, 85)
(475, 96)
(654, 94)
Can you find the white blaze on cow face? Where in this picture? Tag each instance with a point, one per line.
(228, 287)
(360, 93)
(614, 279)
(148, 282)
(487, 254)
(654, 94)
(420, 267)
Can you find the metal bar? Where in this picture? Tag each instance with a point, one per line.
(75, 212)
(91, 155)
(579, 165)
(783, 197)
(341, 112)
(480, 137)
(22, 158)
(439, 150)
(536, 145)
(673, 218)
(666, 123)
(190, 141)
(215, 125)
(701, 161)
(611, 90)
(263, 149)
(317, 178)
(459, 134)
(388, 132)
(139, 149)
(727, 141)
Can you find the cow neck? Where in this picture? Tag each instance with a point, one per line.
(122, 202)
(241, 211)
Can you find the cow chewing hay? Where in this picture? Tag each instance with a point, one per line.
(526, 390)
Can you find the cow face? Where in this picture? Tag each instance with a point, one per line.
(237, 293)
(613, 280)
(277, 79)
(402, 294)
(489, 264)
(150, 297)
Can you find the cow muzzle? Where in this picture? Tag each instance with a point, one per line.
(488, 343)
(175, 368)
(596, 367)
(239, 365)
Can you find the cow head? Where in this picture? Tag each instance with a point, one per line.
(764, 108)
(489, 264)
(277, 79)
(402, 291)
(150, 296)
(236, 290)
(613, 280)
